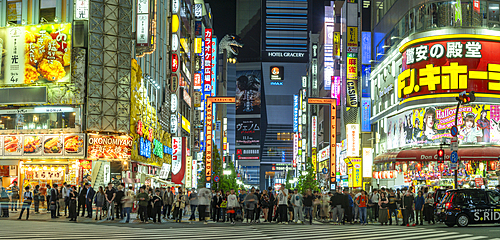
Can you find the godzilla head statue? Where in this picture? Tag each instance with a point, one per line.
(232, 44)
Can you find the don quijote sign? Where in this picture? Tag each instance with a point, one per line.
(433, 157)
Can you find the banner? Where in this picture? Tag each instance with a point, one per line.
(352, 93)
(476, 123)
(42, 145)
(109, 147)
(357, 172)
(366, 115)
(35, 54)
(178, 159)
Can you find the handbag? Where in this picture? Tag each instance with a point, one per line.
(231, 211)
(52, 207)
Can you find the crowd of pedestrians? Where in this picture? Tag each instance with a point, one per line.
(282, 206)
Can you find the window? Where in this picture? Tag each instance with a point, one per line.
(40, 121)
(14, 11)
(48, 10)
(494, 198)
(493, 12)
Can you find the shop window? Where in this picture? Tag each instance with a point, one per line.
(37, 121)
(14, 13)
(48, 10)
(493, 12)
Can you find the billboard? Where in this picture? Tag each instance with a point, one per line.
(476, 123)
(178, 159)
(247, 131)
(447, 64)
(366, 115)
(109, 147)
(352, 132)
(295, 113)
(35, 54)
(248, 94)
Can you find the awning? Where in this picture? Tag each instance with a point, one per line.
(430, 154)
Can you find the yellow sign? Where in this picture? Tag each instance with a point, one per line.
(197, 45)
(221, 99)
(336, 44)
(352, 36)
(349, 175)
(314, 159)
(186, 125)
(322, 165)
(175, 23)
(357, 172)
(352, 66)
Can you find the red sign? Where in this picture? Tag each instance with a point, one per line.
(477, 6)
(109, 147)
(175, 62)
(450, 66)
(208, 55)
(479, 182)
(197, 81)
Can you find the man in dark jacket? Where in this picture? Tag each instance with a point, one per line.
(272, 203)
(336, 201)
(82, 200)
(118, 201)
(53, 201)
(407, 207)
(89, 197)
(257, 208)
(216, 201)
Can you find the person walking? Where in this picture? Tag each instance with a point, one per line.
(89, 197)
(393, 207)
(179, 204)
(232, 204)
(143, 199)
(258, 207)
(241, 197)
(308, 205)
(65, 198)
(429, 209)
(120, 194)
(419, 208)
(251, 202)
(99, 201)
(383, 213)
(265, 204)
(36, 199)
(373, 205)
(193, 202)
(407, 207)
(110, 198)
(157, 203)
(361, 202)
(282, 204)
(53, 201)
(128, 202)
(168, 199)
(336, 203)
(271, 204)
(72, 204)
(223, 206)
(204, 197)
(15, 196)
(47, 196)
(297, 203)
(27, 199)
(349, 206)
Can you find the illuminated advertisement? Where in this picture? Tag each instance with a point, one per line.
(213, 76)
(247, 131)
(178, 159)
(328, 54)
(366, 72)
(352, 39)
(208, 56)
(248, 95)
(295, 148)
(366, 115)
(476, 123)
(109, 147)
(352, 66)
(366, 47)
(449, 64)
(314, 126)
(35, 54)
(277, 73)
(352, 132)
(295, 113)
(336, 85)
(352, 93)
(314, 159)
(357, 172)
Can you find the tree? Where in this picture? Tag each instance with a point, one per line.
(309, 179)
(289, 176)
(228, 182)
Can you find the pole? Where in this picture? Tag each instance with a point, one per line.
(456, 124)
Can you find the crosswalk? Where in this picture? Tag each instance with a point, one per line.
(10, 229)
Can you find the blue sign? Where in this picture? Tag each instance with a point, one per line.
(324, 171)
(197, 29)
(454, 157)
(167, 150)
(366, 47)
(295, 113)
(277, 83)
(283, 156)
(144, 147)
(454, 131)
(366, 72)
(216, 178)
(366, 125)
(207, 185)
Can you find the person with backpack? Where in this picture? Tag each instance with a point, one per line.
(251, 201)
(27, 199)
(53, 201)
(297, 203)
(179, 204)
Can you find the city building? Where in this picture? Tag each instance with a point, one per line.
(425, 54)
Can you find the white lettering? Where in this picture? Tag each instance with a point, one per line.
(476, 216)
(486, 216)
(285, 54)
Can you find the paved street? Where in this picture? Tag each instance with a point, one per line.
(42, 228)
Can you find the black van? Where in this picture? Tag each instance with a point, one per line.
(468, 206)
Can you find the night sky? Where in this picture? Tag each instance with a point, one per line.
(224, 15)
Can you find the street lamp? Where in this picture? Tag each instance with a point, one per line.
(227, 172)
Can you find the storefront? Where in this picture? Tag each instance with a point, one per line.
(414, 92)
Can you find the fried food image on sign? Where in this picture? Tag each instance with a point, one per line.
(72, 143)
(51, 145)
(31, 37)
(10, 144)
(31, 143)
(51, 70)
(34, 53)
(63, 58)
(30, 74)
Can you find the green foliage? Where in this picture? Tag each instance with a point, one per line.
(228, 182)
(308, 180)
(289, 176)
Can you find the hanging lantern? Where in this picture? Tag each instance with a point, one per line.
(374, 174)
(405, 167)
(419, 167)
